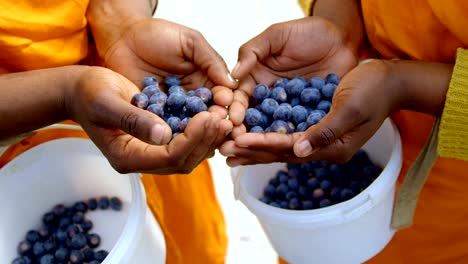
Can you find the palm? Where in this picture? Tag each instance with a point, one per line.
(160, 48)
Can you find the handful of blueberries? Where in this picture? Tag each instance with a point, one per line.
(318, 184)
(290, 105)
(176, 106)
(65, 237)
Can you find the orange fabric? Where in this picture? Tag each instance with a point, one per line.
(49, 33)
(426, 30)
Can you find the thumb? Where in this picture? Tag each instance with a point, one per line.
(137, 122)
(256, 49)
(331, 128)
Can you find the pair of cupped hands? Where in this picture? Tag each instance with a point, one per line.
(137, 140)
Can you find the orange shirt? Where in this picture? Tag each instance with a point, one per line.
(50, 33)
(425, 30)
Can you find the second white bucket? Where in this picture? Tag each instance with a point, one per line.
(350, 232)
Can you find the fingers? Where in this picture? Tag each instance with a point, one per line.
(222, 96)
(203, 55)
(137, 122)
(240, 101)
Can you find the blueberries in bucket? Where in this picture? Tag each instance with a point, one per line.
(315, 184)
(65, 237)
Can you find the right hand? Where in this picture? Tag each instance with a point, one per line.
(133, 139)
(308, 47)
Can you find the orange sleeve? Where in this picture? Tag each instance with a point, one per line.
(35, 34)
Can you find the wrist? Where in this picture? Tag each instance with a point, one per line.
(74, 79)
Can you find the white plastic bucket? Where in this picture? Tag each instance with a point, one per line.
(349, 232)
(68, 170)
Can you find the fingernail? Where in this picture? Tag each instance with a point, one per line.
(236, 67)
(234, 163)
(303, 149)
(157, 133)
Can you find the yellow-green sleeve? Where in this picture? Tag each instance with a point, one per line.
(305, 6)
(453, 131)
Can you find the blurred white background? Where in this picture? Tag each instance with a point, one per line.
(227, 25)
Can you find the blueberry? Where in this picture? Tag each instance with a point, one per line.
(260, 92)
(313, 183)
(280, 126)
(326, 185)
(317, 83)
(151, 90)
(332, 78)
(256, 129)
(47, 259)
(355, 186)
(176, 101)
(183, 124)
(86, 225)
(282, 189)
(149, 80)
(92, 204)
(284, 204)
(314, 117)
(116, 203)
(270, 191)
(76, 257)
(293, 184)
(302, 191)
(310, 96)
(45, 232)
(21, 260)
(299, 114)
(279, 94)
(62, 254)
(294, 172)
(80, 207)
(33, 236)
(321, 173)
(204, 93)
(294, 204)
(301, 127)
(295, 101)
(335, 194)
(371, 171)
(253, 117)
(190, 93)
(88, 254)
(347, 194)
(59, 210)
(100, 255)
(291, 194)
(274, 181)
(94, 240)
(49, 219)
(64, 223)
(282, 176)
(61, 236)
(50, 245)
(94, 262)
(173, 123)
(73, 230)
(171, 80)
(176, 89)
(140, 100)
(291, 127)
(328, 90)
(78, 218)
(269, 106)
(103, 203)
(79, 241)
(360, 157)
(24, 248)
(318, 194)
(324, 105)
(159, 98)
(307, 205)
(265, 200)
(295, 86)
(335, 170)
(280, 82)
(38, 249)
(195, 105)
(324, 203)
(283, 112)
